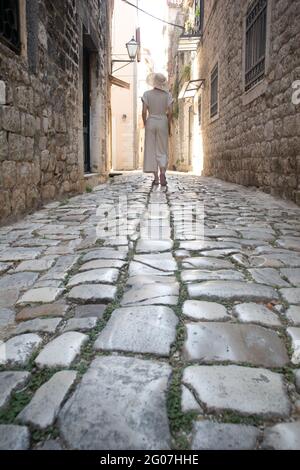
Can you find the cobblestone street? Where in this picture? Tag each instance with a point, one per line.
(165, 337)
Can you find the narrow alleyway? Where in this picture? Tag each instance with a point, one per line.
(125, 326)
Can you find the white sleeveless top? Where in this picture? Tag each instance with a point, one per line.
(157, 101)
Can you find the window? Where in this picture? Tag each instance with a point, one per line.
(199, 111)
(256, 35)
(199, 11)
(10, 24)
(214, 91)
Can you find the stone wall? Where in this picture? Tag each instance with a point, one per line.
(41, 148)
(256, 139)
(177, 62)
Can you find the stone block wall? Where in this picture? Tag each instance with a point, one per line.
(41, 152)
(255, 141)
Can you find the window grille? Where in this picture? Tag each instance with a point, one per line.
(199, 111)
(214, 92)
(10, 24)
(256, 35)
(199, 7)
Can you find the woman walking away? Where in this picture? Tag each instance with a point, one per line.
(157, 118)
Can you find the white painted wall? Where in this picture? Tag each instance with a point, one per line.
(124, 130)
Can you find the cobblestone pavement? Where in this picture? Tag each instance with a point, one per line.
(165, 338)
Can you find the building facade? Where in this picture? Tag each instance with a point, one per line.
(54, 99)
(124, 100)
(245, 102)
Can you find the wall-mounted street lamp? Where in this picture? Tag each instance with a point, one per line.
(132, 49)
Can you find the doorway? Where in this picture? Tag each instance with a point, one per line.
(191, 131)
(86, 109)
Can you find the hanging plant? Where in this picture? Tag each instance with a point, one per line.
(197, 12)
(189, 26)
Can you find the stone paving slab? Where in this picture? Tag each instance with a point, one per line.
(243, 390)
(283, 436)
(141, 269)
(105, 253)
(47, 325)
(148, 329)
(218, 342)
(188, 401)
(151, 294)
(122, 405)
(201, 310)
(20, 254)
(256, 313)
(292, 274)
(46, 402)
(14, 437)
(162, 262)
(83, 324)
(86, 311)
(291, 243)
(143, 280)
(152, 246)
(209, 435)
(61, 351)
(92, 293)
(291, 295)
(206, 263)
(5, 267)
(50, 444)
(19, 349)
(193, 275)
(102, 263)
(40, 295)
(293, 314)
(95, 276)
(20, 281)
(56, 309)
(232, 290)
(294, 334)
(38, 265)
(268, 276)
(7, 317)
(276, 260)
(8, 297)
(10, 382)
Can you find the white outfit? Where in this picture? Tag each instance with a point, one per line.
(157, 129)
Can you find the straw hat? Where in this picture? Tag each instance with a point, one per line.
(158, 80)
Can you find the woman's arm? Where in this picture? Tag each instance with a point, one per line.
(144, 113)
(170, 117)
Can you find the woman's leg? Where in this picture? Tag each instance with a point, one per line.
(163, 180)
(162, 149)
(156, 180)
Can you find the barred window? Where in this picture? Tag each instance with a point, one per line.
(214, 91)
(199, 12)
(199, 111)
(256, 35)
(10, 24)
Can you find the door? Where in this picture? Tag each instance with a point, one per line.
(86, 110)
(191, 129)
